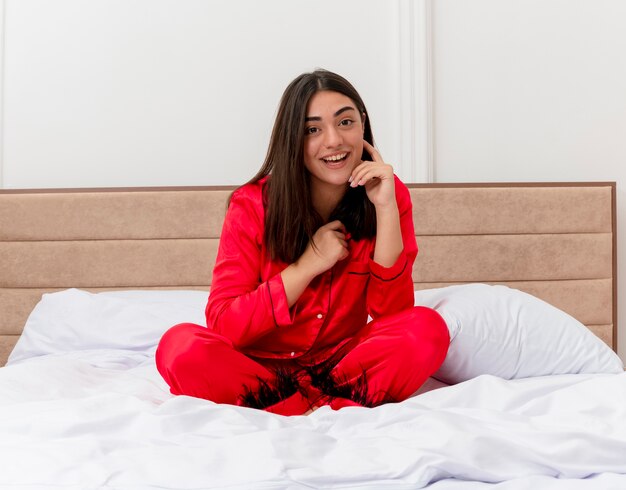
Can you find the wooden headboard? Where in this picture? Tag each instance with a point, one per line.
(554, 240)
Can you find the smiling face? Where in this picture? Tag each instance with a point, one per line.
(333, 140)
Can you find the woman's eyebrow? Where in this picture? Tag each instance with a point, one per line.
(344, 109)
(340, 111)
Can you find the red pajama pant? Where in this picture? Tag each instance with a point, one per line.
(391, 355)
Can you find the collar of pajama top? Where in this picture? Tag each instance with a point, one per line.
(248, 304)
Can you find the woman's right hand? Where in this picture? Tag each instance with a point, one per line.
(328, 246)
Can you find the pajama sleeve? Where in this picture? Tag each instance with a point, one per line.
(242, 306)
(390, 289)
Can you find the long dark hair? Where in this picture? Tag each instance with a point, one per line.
(290, 219)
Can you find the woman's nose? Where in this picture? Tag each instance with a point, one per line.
(332, 138)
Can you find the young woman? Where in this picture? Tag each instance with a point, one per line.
(321, 237)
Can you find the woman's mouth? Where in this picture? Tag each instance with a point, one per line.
(335, 160)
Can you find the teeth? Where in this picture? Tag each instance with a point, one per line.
(335, 158)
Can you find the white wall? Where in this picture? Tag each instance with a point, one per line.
(533, 91)
(169, 92)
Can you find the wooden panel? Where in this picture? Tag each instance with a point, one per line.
(504, 210)
(604, 332)
(112, 263)
(183, 213)
(554, 242)
(16, 305)
(7, 342)
(112, 215)
(497, 258)
(589, 301)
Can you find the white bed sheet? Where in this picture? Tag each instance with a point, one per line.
(105, 419)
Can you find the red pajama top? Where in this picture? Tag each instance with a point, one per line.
(248, 304)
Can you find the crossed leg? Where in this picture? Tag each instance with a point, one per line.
(387, 361)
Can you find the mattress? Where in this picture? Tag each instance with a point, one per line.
(83, 407)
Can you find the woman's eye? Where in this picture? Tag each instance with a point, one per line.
(311, 130)
(346, 122)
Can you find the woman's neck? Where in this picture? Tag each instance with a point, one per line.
(326, 198)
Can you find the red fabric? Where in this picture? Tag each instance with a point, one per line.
(397, 353)
(248, 304)
(252, 332)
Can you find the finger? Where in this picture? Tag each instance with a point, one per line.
(366, 175)
(373, 152)
(359, 171)
(340, 236)
(373, 170)
(356, 170)
(363, 166)
(335, 225)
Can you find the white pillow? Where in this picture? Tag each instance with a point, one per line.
(511, 334)
(132, 320)
(494, 329)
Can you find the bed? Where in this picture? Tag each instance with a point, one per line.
(532, 394)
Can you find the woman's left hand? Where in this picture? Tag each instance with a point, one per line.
(377, 177)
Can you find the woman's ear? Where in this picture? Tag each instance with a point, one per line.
(363, 118)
